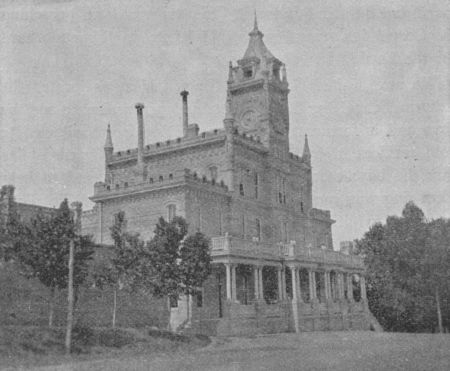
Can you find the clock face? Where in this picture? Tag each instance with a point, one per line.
(248, 120)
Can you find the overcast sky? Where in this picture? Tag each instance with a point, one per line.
(369, 83)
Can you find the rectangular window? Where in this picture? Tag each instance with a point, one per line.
(241, 189)
(258, 229)
(199, 298)
(256, 185)
(285, 232)
(171, 212)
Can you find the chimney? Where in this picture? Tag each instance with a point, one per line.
(184, 94)
(140, 157)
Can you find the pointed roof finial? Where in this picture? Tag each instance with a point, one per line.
(306, 152)
(256, 31)
(108, 142)
(255, 23)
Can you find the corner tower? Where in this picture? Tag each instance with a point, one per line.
(258, 91)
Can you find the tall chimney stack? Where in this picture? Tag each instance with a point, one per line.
(140, 157)
(184, 94)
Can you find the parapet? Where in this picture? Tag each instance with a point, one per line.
(172, 144)
(155, 182)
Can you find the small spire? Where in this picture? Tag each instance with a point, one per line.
(256, 31)
(108, 143)
(230, 72)
(228, 113)
(306, 152)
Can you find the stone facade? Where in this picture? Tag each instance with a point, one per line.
(274, 264)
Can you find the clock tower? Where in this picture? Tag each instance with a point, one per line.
(258, 95)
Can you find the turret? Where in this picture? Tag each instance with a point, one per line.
(306, 152)
(109, 148)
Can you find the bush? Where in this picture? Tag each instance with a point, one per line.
(115, 338)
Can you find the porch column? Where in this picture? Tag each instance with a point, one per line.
(362, 283)
(312, 284)
(228, 274)
(294, 283)
(340, 278)
(283, 283)
(280, 284)
(327, 285)
(256, 279)
(299, 286)
(350, 287)
(261, 288)
(233, 283)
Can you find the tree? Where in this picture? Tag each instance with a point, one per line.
(124, 268)
(436, 266)
(405, 263)
(46, 252)
(194, 264)
(162, 254)
(177, 263)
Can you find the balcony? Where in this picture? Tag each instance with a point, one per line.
(227, 245)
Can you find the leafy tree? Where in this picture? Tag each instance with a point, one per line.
(195, 262)
(46, 252)
(177, 263)
(405, 263)
(162, 255)
(436, 269)
(123, 270)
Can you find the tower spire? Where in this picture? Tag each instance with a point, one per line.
(306, 152)
(255, 23)
(108, 142)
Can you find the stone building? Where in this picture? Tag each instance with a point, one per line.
(274, 264)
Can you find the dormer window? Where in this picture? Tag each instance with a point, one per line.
(276, 73)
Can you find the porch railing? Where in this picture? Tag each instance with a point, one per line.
(253, 248)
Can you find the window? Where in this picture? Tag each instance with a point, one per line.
(248, 73)
(161, 178)
(213, 172)
(258, 229)
(301, 207)
(284, 232)
(256, 185)
(117, 186)
(125, 184)
(171, 212)
(243, 225)
(150, 180)
(173, 301)
(170, 176)
(284, 191)
(199, 298)
(241, 189)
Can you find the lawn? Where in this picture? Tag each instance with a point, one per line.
(27, 347)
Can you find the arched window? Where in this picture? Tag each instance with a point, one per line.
(213, 172)
(171, 212)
